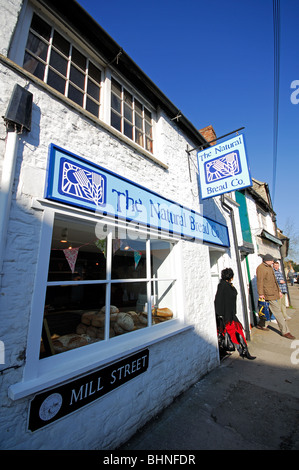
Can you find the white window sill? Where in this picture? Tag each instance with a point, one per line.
(66, 366)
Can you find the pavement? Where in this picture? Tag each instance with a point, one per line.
(241, 404)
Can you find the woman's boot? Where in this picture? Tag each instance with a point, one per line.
(244, 351)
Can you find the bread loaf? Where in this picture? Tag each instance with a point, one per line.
(163, 312)
(98, 320)
(81, 329)
(113, 309)
(87, 317)
(125, 321)
(66, 342)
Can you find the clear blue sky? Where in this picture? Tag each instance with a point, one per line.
(215, 61)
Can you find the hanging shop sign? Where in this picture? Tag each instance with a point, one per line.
(54, 404)
(223, 168)
(78, 182)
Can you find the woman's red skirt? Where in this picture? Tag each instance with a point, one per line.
(235, 327)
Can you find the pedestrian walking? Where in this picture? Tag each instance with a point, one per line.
(291, 276)
(268, 289)
(225, 309)
(283, 289)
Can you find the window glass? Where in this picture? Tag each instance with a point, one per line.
(34, 66)
(58, 62)
(94, 72)
(92, 107)
(41, 27)
(56, 81)
(81, 280)
(78, 59)
(128, 260)
(115, 121)
(75, 95)
(61, 44)
(77, 77)
(163, 305)
(93, 90)
(37, 46)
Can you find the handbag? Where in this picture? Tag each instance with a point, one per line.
(224, 339)
(263, 309)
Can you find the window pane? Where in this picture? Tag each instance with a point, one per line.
(138, 121)
(128, 260)
(56, 81)
(148, 129)
(37, 46)
(77, 77)
(138, 107)
(138, 137)
(71, 313)
(85, 260)
(163, 304)
(148, 145)
(128, 129)
(78, 59)
(128, 113)
(161, 259)
(61, 44)
(41, 27)
(115, 121)
(34, 66)
(128, 98)
(92, 107)
(58, 62)
(116, 103)
(115, 87)
(93, 90)
(75, 95)
(131, 300)
(94, 72)
(147, 115)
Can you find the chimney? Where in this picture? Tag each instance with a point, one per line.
(209, 134)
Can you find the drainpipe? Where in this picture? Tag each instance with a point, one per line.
(17, 119)
(243, 295)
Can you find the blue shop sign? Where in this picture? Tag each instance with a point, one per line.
(81, 183)
(223, 168)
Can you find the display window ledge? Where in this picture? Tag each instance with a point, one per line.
(79, 362)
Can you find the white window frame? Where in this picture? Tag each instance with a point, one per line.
(46, 373)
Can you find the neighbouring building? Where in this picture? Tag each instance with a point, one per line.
(109, 257)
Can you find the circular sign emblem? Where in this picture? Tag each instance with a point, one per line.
(50, 406)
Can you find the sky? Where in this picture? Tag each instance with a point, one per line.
(215, 61)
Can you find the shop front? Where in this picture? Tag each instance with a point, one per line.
(109, 289)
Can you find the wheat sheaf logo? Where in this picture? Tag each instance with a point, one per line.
(223, 167)
(81, 183)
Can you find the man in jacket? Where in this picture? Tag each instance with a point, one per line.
(268, 289)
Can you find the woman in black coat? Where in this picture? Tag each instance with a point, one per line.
(225, 308)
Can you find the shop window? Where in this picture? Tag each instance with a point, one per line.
(100, 289)
(130, 117)
(56, 61)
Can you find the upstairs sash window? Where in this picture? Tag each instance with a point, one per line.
(130, 117)
(56, 61)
